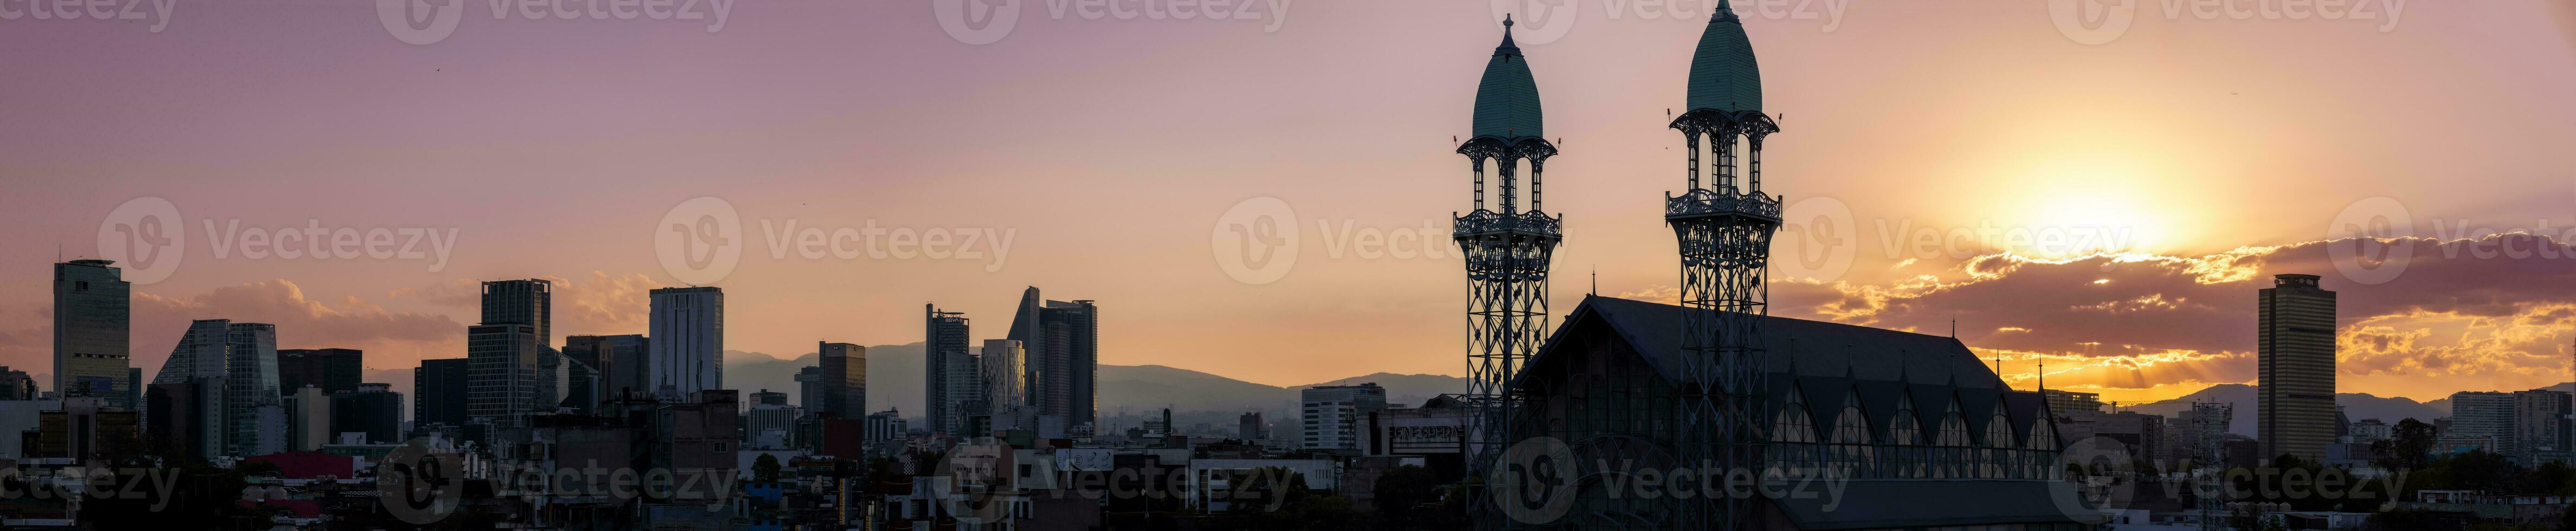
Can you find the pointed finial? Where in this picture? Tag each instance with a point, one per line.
(1507, 21)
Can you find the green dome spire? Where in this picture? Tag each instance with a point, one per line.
(1507, 100)
(1723, 75)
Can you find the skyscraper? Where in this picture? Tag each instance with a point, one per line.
(943, 337)
(502, 378)
(617, 363)
(528, 302)
(844, 381)
(2297, 376)
(91, 319)
(2540, 425)
(196, 424)
(334, 370)
(687, 327)
(255, 410)
(1332, 414)
(373, 409)
(439, 392)
(1062, 340)
(1004, 373)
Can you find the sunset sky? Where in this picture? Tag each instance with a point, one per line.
(2200, 156)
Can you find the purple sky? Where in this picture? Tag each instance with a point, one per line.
(1108, 150)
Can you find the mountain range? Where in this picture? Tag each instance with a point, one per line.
(1136, 391)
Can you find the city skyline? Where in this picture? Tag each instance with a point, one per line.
(2448, 323)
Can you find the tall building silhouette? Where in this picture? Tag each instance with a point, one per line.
(502, 380)
(844, 381)
(439, 392)
(2296, 346)
(944, 353)
(193, 383)
(1005, 366)
(528, 302)
(687, 327)
(1062, 343)
(335, 370)
(92, 312)
(255, 410)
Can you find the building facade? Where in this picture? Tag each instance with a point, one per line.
(373, 409)
(1062, 344)
(844, 381)
(1331, 415)
(439, 388)
(335, 370)
(502, 382)
(2296, 377)
(944, 336)
(687, 327)
(255, 409)
(92, 309)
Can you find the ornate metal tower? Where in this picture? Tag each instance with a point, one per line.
(1507, 251)
(1725, 233)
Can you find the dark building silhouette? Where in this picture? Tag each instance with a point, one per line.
(2296, 380)
(844, 381)
(91, 332)
(374, 409)
(335, 370)
(528, 302)
(944, 350)
(1062, 341)
(440, 391)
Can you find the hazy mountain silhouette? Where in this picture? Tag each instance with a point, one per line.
(894, 380)
(2356, 405)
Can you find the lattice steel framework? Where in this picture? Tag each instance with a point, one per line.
(1725, 237)
(1507, 255)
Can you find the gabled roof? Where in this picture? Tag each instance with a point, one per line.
(1827, 362)
(1723, 75)
(1507, 100)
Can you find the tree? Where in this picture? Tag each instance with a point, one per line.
(1409, 497)
(2409, 446)
(765, 468)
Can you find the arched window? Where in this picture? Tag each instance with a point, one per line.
(1905, 439)
(1794, 424)
(1953, 444)
(1999, 459)
(1851, 437)
(2043, 438)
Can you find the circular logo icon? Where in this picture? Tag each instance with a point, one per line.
(2371, 241)
(699, 241)
(1535, 21)
(1256, 241)
(975, 475)
(977, 22)
(421, 22)
(417, 485)
(1817, 240)
(145, 238)
(2091, 22)
(2102, 476)
(1533, 481)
